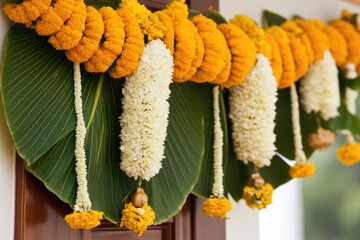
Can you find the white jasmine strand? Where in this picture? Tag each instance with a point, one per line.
(319, 89)
(218, 186)
(83, 202)
(145, 113)
(295, 116)
(350, 94)
(252, 114)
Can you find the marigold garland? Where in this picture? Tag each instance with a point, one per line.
(70, 34)
(223, 76)
(216, 207)
(133, 46)
(302, 170)
(337, 42)
(352, 40)
(27, 11)
(54, 17)
(169, 32)
(215, 49)
(349, 153)
(145, 93)
(255, 33)
(84, 220)
(149, 22)
(252, 114)
(258, 197)
(243, 55)
(90, 41)
(276, 61)
(112, 46)
(137, 219)
(288, 76)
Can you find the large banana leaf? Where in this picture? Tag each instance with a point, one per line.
(37, 91)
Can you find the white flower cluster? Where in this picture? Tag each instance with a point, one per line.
(145, 112)
(83, 202)
(319, 89)
(350, 94)
(252, 114)
(218, 186)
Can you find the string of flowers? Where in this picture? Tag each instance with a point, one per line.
(133, 46)
(302, 168)
(143, 124)
(350, 94)
(349, 153)
(288, 75)
(111, 48)
(215, 49)
(319, 89)
(27, 11)
(70, 34)
(90, 41)
(257, 193)
(276, 61)
(243, 55)
(217, 205)
(82, 217)
(252, 114)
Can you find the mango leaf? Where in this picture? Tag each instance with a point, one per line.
(11, 1)
(37, 91)
(215, 16)
(193, 13)
(346, 120)
(101, 3)
(270, 18)
(353, 83)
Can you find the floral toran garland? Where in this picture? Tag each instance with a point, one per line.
(217, 205)
(82, 217)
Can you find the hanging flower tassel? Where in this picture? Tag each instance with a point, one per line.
(302, 168)
(82, 217)
(350, 95)
(217, 205)
(349, 153)
(257, 193)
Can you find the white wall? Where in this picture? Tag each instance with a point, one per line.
(283, 219)
(7, 161)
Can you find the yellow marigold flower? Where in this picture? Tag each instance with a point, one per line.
(316, 37)
(301, 170)
(27, 11)
(352, 40)
(90, 41)
(178, 7)
(258, 197)
(337, 42)
(255, 33)
(276, 61)
(111, 48)
(169, 33)
(349, 153)
(54, 17)
(300, 57)
(223, 76)
(289, 75)
(307, 44)
(216, 207)
(215, 49)
(71, 33)
(345, 14)
(133, 46)
(137, 219)
(243, 55)
(199, 55)
(149, 22)
(84, 220)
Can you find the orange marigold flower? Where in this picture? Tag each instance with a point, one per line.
(178, 7)
(90, 41)
(216, 207)
(169, 33)
(255, 33)
(133, 46)
(316, 37)
(276, 61)
(337, 42)
(352, 40)
(137, 219)
(27, 11)
(258, 197)
(301, 170)
(54, 17)
(223, 76)
(289, 75)
(84, 220)
(71, 33)
(111, 48)
(349, 153)
(243, 55)
(215, 49)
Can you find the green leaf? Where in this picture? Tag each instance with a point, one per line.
(193, 13)
(37, 90)
(11, 1)
(215, 16)
(346, 120)
(270, 18)
(353, 20)
(101, 3)
(353, 83)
